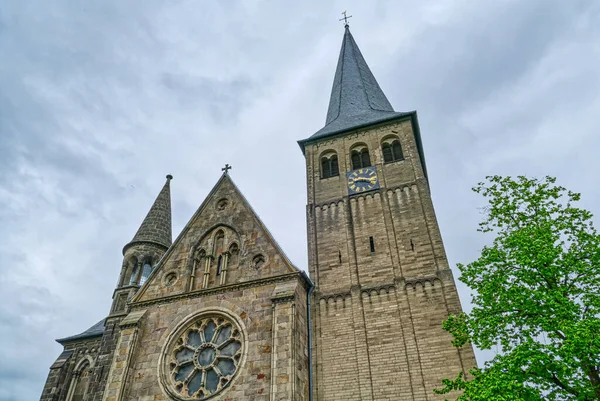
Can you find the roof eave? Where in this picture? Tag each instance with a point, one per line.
(68, 340)
(410, 114)
(343, 131)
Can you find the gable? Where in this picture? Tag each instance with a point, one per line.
(223, 244)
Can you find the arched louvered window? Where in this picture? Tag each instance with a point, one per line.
(329, 166)
(392, 151)
(146, 270)
(359, 156)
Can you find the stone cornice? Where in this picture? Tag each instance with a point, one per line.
(153, 243)
(380, 191)
(216, 290)
(282, 299)
(398, 283)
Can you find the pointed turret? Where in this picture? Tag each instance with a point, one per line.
(356, 98)
(156, 227)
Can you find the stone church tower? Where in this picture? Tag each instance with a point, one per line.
(382, 281)
(222, 314)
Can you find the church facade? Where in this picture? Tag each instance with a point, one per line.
(222, 314)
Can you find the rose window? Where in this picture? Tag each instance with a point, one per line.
(205, 358)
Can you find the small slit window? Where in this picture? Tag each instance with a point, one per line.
(359, 156)
(329, 166)
(219, 265)
(392, 151)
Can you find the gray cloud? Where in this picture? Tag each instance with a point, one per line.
(99, 100)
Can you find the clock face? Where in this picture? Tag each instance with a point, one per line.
(362, 180)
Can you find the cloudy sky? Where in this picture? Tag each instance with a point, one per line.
(99, 100)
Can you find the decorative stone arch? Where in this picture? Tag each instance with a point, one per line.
(234, 254)
(200, 253)
(329, 164)
(359, 156)
(216, 241)
(80, 379)
(211, 232)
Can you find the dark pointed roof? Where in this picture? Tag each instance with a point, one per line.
(156, 227)
(356, 98)
(94, 331)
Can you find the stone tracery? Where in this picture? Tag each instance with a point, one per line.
(205, 358)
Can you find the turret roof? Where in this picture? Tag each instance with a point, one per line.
(156, 227)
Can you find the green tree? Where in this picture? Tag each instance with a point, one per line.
(536, 297)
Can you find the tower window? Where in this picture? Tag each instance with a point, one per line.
(359, 157)
(133, 274)
(392, 151)
(372, 244)
(329, 166)
(146, 270)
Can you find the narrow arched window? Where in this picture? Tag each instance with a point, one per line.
(79, 384)
(146, 270)
(133, 274)
(219, 265)
(359, 156)
(392, 151)
(329, 166)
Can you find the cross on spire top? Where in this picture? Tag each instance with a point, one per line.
(345, 19)
(226, 168)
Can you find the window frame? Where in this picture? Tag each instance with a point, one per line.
(389, 143)
(328, 157)
(360, 150)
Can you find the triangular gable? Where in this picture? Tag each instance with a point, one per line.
(225, 220)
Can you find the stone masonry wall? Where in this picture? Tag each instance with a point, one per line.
(108, 345)
(269, 334)
(378, 314)
(62, 371)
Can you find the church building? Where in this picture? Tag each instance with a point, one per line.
(221, 313)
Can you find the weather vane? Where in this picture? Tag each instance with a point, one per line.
(345, 19)
(226, 168)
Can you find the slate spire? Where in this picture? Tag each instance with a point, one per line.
(156, 227)
(356, 98)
